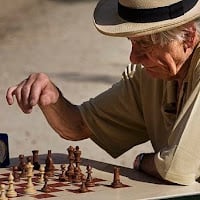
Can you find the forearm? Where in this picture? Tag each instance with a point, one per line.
(66, 120)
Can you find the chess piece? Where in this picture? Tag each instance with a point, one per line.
(29, 166)
(70, 170)
(49, 167)
(116, 180)
(16, 174)
(29, 187)
(23, 171)
(89, 180)
(62, 176)
(21, 162)
(35, 160)
(3, 191)
(46, 188)
(11, 191)
(29, 160)
(77, 159)
(77, 175)
(42, 172)
(83, 187)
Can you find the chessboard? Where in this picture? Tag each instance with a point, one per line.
(133, 185)
(61, 190)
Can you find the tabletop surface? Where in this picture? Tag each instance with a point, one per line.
(136, 184)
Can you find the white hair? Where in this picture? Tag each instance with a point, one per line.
(178, 33)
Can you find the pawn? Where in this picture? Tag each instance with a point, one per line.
(29, 159)
(3, 191)
(83, 187)
(89, 180)
(77, 175)
(23, 171)
(11, 191)
(62, 176)
(16, 174)
(21, 162)
(42, 172)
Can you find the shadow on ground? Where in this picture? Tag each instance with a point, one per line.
(79, 77)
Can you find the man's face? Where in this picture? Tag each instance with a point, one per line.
(160, 62)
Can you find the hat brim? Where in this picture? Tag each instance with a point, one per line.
(108, 22)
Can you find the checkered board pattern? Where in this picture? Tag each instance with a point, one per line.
(60, 190)
(137, 186)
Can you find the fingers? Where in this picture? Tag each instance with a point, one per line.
(9, 95)
(32, 90)
(21, 92)
(29, 92)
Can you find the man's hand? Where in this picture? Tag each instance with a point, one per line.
(63, 116)
(36, 89)
(145, 162)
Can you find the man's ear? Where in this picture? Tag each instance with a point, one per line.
(190, 36)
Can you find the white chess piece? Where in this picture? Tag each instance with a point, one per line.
(3, 191)
(29, 187)
(42, 172)
(11, 191)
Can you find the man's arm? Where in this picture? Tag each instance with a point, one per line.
(147, 165)
(63, 116)
(66, 120)
(145, 162)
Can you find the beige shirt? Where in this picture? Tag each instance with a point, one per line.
(140, 108)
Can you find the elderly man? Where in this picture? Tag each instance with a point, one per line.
(158, 98)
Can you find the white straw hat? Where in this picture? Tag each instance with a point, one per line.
(142, 17)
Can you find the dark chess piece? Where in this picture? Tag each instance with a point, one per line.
(35, 160)
(49, 167)
(83, 187)
(21, 162)
(16, 174)
(77, 175)
(62, 176)
(29, 159)
(77, 170)
(77, 158)
(89, 180)
(23, 171)
(70, 170)
(116, 180)
(46, 188)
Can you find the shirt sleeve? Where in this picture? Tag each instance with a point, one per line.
(115, 117)
(179, 162)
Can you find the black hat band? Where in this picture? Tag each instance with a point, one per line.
(156, 14)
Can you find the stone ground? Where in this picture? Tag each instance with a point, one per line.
(56, 37)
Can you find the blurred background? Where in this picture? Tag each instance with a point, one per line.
(56, 37)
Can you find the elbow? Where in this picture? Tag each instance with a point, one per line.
(74, 134)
